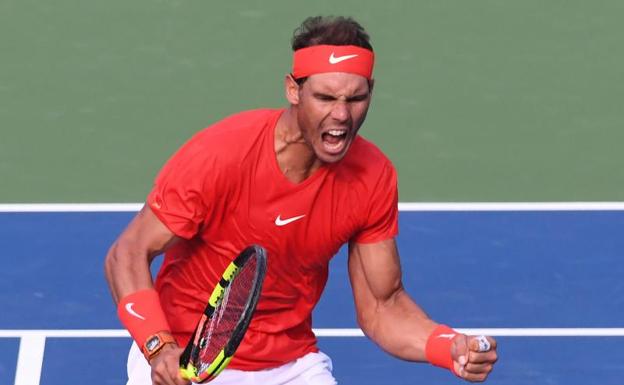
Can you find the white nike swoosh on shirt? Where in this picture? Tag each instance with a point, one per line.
(282, 222)
(449, 336)
(132, 312)
(335, 60)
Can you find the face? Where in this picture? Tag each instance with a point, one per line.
(330, 109)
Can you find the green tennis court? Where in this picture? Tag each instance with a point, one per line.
(474, 101)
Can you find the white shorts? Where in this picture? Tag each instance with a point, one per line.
(311, 369)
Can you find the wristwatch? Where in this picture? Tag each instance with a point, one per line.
(155, 343)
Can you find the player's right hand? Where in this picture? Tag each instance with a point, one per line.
(166, 367)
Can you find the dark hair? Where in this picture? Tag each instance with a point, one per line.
(332, 30)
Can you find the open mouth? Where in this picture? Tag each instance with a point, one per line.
(334, 141)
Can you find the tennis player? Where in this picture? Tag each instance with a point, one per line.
(301, 182)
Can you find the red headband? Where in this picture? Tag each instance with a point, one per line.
(333, 58)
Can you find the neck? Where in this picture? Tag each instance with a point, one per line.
(295, 157)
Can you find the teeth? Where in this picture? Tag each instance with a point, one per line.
(336, 132)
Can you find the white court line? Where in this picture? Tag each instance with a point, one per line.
(342, 332)
(403, 206)
(546, 332)
(30, 359)
(501, 332)
(32, 342)
(512, 206)
(68, 207)
(65, 333)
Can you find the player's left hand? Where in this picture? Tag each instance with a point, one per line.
(471, 360)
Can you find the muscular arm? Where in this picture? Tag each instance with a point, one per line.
(385, 311)
(128, 260)
(127, 270)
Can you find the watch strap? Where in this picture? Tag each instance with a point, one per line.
(154, 344)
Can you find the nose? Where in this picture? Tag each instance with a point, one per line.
(340, 111)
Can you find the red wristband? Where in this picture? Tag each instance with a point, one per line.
(142, 315)
(438, 348)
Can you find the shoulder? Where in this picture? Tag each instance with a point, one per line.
(373, 186)
(364, 147)
(232, 134)
(245, 119)
(223, 143)
(238, 126)
(366, 162)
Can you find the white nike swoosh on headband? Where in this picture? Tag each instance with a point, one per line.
(335, 60)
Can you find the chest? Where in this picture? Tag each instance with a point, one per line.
(302, 225)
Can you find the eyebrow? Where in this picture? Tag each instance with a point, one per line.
(354, 98)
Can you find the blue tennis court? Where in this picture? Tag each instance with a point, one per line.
(515, 272)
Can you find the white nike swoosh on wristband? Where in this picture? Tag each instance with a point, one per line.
(447, 336)
(132, 312)
(335, 60)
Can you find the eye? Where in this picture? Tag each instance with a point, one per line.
(324, 97)
(358, 98)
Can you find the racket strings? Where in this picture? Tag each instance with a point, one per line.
(227, 315)
(216, 318)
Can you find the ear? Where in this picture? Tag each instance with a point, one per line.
(291, 89)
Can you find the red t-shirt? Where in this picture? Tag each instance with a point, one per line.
(223, 190)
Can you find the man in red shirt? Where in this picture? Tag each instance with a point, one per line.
(301, 182)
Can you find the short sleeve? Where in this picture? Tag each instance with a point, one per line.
(383, 212)
(179, 196)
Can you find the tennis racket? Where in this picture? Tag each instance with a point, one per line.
(226, 318)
